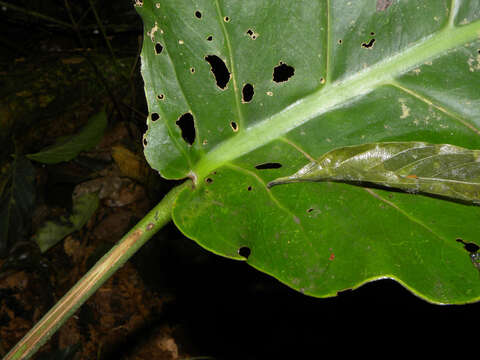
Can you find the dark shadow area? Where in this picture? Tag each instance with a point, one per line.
(232, 311)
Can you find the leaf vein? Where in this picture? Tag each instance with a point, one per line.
(172, 132)
(260, 180)
(403, 212)
(232, 66)
(441, 108)
(298, 148)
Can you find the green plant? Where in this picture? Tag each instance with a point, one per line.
(242, 93)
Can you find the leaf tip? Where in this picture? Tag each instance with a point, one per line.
(272, 184)
(280, 181)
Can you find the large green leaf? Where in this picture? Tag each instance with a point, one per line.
(325, 74)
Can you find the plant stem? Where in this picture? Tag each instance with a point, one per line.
(101, 272)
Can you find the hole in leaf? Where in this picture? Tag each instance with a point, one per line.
(470, 247)
(208, 180)
(145, 141)
(234, 126)
(272, 165)
(247, 93)
(283, 72)
(209, 38)
(372, 33)
(155, 117)
(252, 34)
(310, 210)
(158, 48)
(244, 251)
(249, 188)
(226, 19)
(368, 45)
(219, 70)
(340, 42)
(198, 14)
(192, 70)
(160, 97)
(187, 126)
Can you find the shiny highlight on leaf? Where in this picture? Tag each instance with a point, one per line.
(416, 167)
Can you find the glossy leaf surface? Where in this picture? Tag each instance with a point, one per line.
(299, 80)
(435, 169)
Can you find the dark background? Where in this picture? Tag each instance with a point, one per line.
(206, 305)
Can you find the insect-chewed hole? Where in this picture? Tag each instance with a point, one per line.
(244, 251)
(470, 247)
(368, 45)
(155, 116)
(192, 70)
(219, 70)
(340, 41)
(283, 72)
(209, 38)
(208, 180)
(234, 126)
(158, 48)
(309, 210)
(226, 19)
(269, 165)
(249, 188)
(145, 141)
(252, 34)
(372, 33)
(247, 93)
(160, 96)
(187, 126)
(198, 14)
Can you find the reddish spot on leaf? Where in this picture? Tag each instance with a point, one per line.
(412, 177)
(383, 5)
(332, 257)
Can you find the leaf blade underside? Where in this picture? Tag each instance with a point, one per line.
(415, 167)
(361, 75)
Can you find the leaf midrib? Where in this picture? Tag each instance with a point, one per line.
(334, 95)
